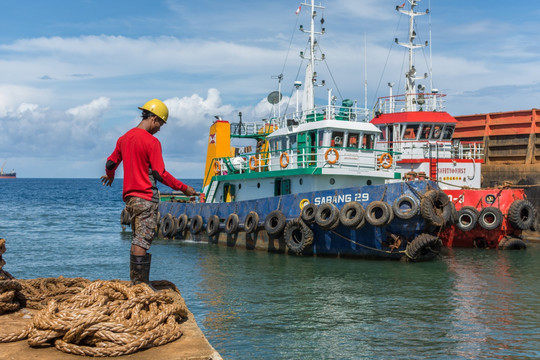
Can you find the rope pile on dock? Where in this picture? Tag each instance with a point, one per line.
(99, 318)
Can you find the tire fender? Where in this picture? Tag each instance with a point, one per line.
(274, 222)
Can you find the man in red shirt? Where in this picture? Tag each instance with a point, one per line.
(143, 165)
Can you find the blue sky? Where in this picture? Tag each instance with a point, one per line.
(72, 73)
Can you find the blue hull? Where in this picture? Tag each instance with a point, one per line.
(369, 241)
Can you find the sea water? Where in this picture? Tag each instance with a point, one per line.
(467, 304)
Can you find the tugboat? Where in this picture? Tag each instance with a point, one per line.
(313, 182)
(416, 127)
(7, 175)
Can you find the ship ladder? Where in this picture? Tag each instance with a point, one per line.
(212, 191)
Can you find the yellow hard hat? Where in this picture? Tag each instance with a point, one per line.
(158, 108)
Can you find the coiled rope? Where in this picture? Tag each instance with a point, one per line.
(99, 318)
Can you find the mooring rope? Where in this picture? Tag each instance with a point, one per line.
(99, 318)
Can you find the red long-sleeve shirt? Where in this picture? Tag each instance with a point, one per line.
(143, 165)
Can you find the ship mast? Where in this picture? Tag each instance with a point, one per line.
(410, 75)
(308, 101)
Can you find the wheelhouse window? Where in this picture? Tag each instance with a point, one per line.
(321, 137)
(383, 129)
(337, 139)
(425, 132)
(353, 140)
(410, 132)
(437, 132)
(448, 132)
(292, 142)
(368, 141)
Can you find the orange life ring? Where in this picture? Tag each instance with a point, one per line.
(253, 163)
(217, 167)
(328, 152)
(286, 156)
(385, 160)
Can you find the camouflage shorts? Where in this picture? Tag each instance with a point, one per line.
(143, 220)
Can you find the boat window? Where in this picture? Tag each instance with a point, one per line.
(283, 143)
(436, 132)
(448, 132)
(383, 129)
(353, 140)
(321, 137)
(292, 142)
(410, 132)
(273, 145)
(426, 129)
(337, 139)
(368, 140)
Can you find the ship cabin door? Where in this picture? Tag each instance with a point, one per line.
(282, 187)
(307, 145)
(229, 192)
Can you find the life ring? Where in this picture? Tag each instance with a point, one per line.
(467, 218)
(308, 213)
(521, 214)
(405, 207)
(212, 226)
(351, 214)
(182, 222)
(168, 226)
(217, 167)
(327, 216)
(231, 225)
(424, 247)
(303, 203)
(196, 224)
(512, 243)
(251, 222)
(490, 218)
(281, 163)
(274, 222)
(378, 213)
(298, 236)
(433, 206)
(253, 163)
(386, 160)
(331, 162)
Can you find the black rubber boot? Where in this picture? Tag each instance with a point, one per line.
(139, 269)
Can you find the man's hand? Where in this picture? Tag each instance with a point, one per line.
(106, 181)
(190, 191)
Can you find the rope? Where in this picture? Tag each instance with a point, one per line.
(106, 318)
(100, 318)
(365, 246)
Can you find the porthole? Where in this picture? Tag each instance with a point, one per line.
(368, 182)
(301, 181)
(332, 181)
(258, 185)
(239, 186)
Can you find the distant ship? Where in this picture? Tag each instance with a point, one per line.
(7, 175)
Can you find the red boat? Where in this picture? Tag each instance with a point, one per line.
(419, 133)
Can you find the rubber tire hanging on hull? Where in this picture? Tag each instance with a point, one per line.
(378, 213)
(298, 236)
(467, 218)
(231, 225)
(274, 222)
(251, 222)
(351, 214)
(512, 243)
(182, 223)
(197, 224)
(408, 213)
(327, 216)
(522, 214)
(168, 226)
(424, 247)
(433, 206)
(212, 226)
(308, 213)
(490, 218)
